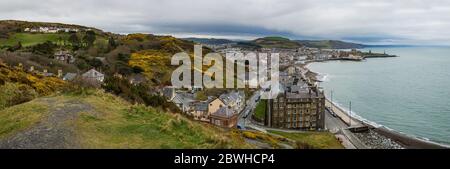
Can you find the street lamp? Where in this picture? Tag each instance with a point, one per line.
(350, 114)
(331, 96)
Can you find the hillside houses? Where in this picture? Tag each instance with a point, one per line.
(64, 57)
(49, 30)
(220, 111)
(93, 76)
(235, 100)
(224, 117)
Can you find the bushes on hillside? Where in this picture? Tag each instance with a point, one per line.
(47, 48)
(140, 93)
(14, 93)
(42, 85)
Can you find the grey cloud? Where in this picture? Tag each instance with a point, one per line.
(394, 21)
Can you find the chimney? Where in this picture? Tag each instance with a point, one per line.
(60, 73)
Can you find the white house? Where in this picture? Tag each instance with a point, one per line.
(94, 75)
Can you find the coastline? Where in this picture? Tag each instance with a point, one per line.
(404, 140)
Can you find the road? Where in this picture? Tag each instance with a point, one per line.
(339, 128)
(250, 106)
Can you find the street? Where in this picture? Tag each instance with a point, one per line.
(250, 106)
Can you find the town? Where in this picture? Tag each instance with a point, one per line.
(300, 104)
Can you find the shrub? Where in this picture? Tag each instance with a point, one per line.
(14, 93)
(303, 145)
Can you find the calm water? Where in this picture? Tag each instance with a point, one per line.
(410, 93)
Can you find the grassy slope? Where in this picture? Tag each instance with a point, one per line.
(260, 110)
(319, 140)
(28, 39)
(114, 123)
(17, 118)
(31, 39)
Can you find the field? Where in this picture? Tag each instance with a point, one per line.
(28, 39)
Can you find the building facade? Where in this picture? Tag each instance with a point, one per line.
(299, 106)
(224, 117)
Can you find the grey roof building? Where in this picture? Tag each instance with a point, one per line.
(69, 76)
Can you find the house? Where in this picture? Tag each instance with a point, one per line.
(224, 117)
(93, 75)
(184, 101)
(235, 100)
(64, 57)
(200, 111)
(214, 105)
(69, 76)
(137, 79)
(169, 92)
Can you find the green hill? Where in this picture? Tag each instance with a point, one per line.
(330, 44)
(276, 42)
(210, 41)
(281, 42)
(12, 32)
(29, 39)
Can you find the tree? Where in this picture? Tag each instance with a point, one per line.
(15, 47)
(89, 38)
(112, 42)
(96, 63)
(74, 40)
(47, 48)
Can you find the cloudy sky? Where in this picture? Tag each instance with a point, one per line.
(373, 22)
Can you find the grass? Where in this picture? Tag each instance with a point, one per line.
(31, 39)
(117, 124)
(107, 121)
(260, 110)
(271, 140)
(17, 118)
(28, 39)
(318, 140)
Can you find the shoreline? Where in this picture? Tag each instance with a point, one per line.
(406, 141)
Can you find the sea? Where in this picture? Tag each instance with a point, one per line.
(409, 94)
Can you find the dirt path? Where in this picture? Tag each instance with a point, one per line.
(55, 132)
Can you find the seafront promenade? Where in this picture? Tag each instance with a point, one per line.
(343, 115)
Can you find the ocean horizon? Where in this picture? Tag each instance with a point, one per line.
(408, 94)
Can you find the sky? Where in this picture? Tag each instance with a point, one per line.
(413, 22)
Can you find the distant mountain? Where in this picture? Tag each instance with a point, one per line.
(281, 42)
(330, 44)
(276, 42)
(210, 41)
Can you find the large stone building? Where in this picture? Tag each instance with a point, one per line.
(298, 106)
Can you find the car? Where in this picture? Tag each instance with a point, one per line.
(333, 114)
(247, 112)
(258, 99)
(240, 127)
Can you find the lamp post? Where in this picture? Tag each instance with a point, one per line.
(331, 97)
(350, 114)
